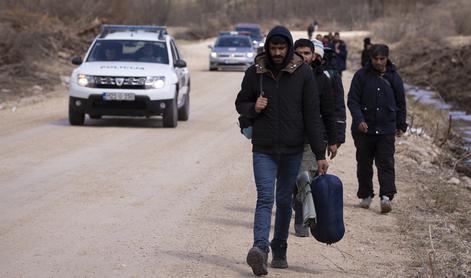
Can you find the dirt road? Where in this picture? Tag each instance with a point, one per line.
(128, 198)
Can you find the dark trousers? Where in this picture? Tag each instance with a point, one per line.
(379, 148)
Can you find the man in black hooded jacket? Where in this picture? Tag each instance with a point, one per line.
(378, 106)
(279, 94)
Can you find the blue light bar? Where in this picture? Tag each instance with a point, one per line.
(107, 28)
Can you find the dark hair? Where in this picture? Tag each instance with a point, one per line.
(379, 50)
(366, 41)
(277, 39)
(304, 43)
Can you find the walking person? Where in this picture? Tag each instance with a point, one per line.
(337, 86)
(341, 52)
(312, 54)
(283, 114)
(378, 106)
(365, 56)
(310, 30)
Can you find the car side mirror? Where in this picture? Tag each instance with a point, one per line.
(180, 64)
(77, 60)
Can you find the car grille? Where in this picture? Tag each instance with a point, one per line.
(232, 55)
(110, 82)
(119, 105)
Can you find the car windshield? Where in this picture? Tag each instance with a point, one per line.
(233, 42)
(255, 33)
(129, 51)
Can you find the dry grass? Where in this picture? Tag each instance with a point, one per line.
(29, 51)
(434, 220)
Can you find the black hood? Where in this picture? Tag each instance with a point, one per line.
(284, 32)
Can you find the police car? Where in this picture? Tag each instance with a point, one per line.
(130, 71)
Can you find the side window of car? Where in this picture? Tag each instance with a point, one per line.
(174, 52)
(177, 51)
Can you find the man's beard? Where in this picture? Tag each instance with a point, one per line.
(278, 59)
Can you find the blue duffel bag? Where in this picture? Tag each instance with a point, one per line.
(327, 192)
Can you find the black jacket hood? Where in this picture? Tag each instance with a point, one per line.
(284, 32)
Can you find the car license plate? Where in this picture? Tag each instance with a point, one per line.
(119, 96)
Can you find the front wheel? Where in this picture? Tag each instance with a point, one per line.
(184, 112)
(171, 114)
(75, 117)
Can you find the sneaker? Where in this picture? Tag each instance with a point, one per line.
(300, 230)
(385, 204)
(365, 202)
(257, 259)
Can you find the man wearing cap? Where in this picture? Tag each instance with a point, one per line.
(312, 54)
(378, 106)
(284, 112)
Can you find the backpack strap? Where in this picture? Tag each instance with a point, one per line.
(386, 81)
(261, 85)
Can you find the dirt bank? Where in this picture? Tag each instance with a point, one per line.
(442, 66)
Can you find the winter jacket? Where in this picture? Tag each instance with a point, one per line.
(341, 57)
(378, 100)
(293, 104)
(340, 113)
(327, 104)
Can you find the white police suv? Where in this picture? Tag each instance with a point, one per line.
(130, 71)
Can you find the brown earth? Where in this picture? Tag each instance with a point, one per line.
(438, 65)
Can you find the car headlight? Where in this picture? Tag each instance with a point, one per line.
(214, 55)
(262, 44)
(86, 80)
(250, 54)
(155, 82)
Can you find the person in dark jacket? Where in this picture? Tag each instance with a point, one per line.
(365, 56)
(341, 52)
(306, 49)
(310, 29)
(337, 86)
(378, 106)
(284, 113)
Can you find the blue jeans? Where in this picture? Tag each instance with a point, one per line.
(282, 168)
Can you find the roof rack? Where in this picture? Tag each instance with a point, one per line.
(107, 29)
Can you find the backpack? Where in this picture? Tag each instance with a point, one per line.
(245, 123)
(327, 192)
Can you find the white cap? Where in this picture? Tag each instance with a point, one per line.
(318, 47)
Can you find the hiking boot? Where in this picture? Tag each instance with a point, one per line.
(300, 230)
(385, 204)
(257, 259)
(365, 202)
(279, 255)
